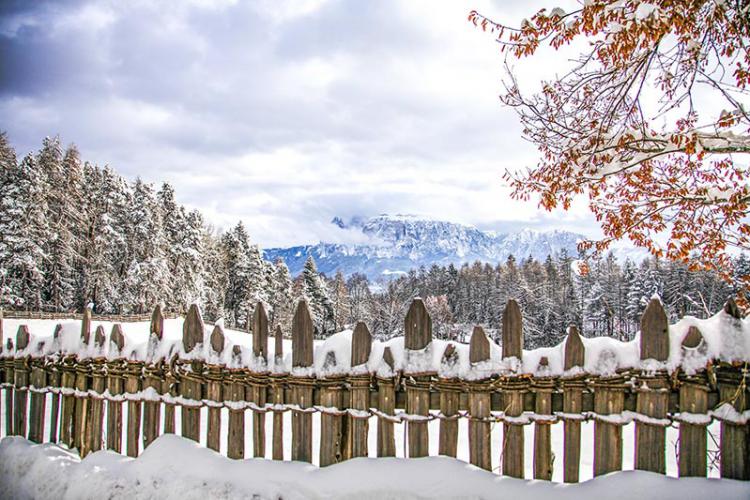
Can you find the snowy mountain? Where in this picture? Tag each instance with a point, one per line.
(394, 244)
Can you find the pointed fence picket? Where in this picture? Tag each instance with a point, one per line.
(84, 390)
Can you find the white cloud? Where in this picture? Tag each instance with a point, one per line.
(282, 114)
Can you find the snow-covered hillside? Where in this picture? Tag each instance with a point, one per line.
(397, 243)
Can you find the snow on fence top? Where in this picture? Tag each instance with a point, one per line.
(688, 344)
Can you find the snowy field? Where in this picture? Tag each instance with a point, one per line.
(176, 468)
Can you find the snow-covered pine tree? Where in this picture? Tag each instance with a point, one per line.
(314, 289)
(340, 301)
(75, 216)
(147, 280)
(8, 210)
(24, 236)
(235, 246)
(59, 244)
(360, 298)
(214, 277)
(106, 250)
(280, 296)
(183, 232)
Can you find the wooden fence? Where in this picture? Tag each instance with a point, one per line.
(85, 389)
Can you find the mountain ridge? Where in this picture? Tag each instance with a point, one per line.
(395, 244)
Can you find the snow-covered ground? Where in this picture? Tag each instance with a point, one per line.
(175, 468)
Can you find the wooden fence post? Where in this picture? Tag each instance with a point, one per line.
(38, 400)
(68, 403)
(21, 373)
(302, 390)
(609, 399)
(735, 441)
(418, 337)
(133, 377)
(169, 387)
(153, 375)
(653, 391)
(514, 389)
(387, 405)
(332, 441)
(82, 374)
(10, 378)
(449, 389)
(573, 387)
(543, 387)
(693, 399)
(214, 383)
(98, 385)
(479, 404)
(54, 380)
(277, 386)
(115, 371)
(258, 392)
(236, 389)
(360, 392)
(190, 381)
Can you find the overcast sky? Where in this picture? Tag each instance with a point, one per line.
(281, 113)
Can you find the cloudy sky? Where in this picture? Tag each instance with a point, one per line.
(282, 113)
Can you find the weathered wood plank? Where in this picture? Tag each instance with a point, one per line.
(302, 336)
(191, 388)
(655, 332)
(153, 376)
(96, 416)
(10, 378)
(214, 392)
(115, 373)
(258, 392)
(387, 405)
(693, 438)
(479, 404)
(86, 326)
(361, 344)
(302, 390)
(68, 381)
(572, 405)
(735, 439)
(38, 402)
(543, 387)
(81, 408)
(21, 373)
(83, 373)
(157, 323)
(277, 387)
(260, 332)
(513, 439)
(332, 441)
(417, 326)
(450, 399)
(236, 392)
(357, 428)
(418, 336)
(192, 329)
(609, 398)
(512, 330)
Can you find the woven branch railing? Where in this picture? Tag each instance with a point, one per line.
(656, 393)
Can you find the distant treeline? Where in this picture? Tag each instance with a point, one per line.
(76, 235)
